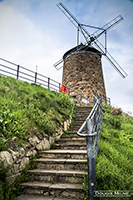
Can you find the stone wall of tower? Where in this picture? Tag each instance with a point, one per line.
(82, 72)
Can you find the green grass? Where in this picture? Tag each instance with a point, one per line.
(27, 109)
(114, 165)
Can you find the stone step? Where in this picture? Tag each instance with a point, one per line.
(56, 176)
(71, 141)
(77, 125)
(73, 137)
(39, 197)
(60, 172)
(80, 114)
(71, 132)
(76, 128)
(65, 190)
(77, 146)
(63, 154)
(61, 164)
(83, 109)
(77, 121)
(81, 118)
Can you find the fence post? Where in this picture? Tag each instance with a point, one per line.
(88, 101)
(17, 71)
(101, 111)
(35, 77)
(94, 99)
(69, 91)
(98, 128)
(59, 86)
(80, 97)
(109, 101)
(91, 160)
(76, 95)
(48, 83)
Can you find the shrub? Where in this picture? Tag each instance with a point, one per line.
(116, 111)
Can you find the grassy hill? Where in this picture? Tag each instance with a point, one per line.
(26, 109)
(114, 165)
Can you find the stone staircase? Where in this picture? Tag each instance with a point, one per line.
(60, 172)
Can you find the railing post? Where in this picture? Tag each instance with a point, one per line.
(91, 160)
(69, 91)
(35, 77)
(94, 99)
(88, 101)
(48, 83)
(80, 97)
(101, 111)
(98, 128)
(17, 71)
(76, 95)
(108, 101)
(59, 86)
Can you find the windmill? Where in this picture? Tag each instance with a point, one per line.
(85, 50)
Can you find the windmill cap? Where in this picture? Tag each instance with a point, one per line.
(81, 48)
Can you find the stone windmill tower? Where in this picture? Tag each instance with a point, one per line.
(82, 69)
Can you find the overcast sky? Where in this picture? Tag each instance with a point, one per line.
(36, 32)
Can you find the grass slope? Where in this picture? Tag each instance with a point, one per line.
(27, 109)
(114, 165)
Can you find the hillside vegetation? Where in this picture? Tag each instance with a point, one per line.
(27, 109)
(114, 164)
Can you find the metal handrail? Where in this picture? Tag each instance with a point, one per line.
(83, 125)
(93, 125)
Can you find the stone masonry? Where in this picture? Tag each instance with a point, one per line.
(17, 160)
(82, 72)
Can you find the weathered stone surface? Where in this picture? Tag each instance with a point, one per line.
(24, 162)
(27, 146)
(34, 152)
(34, 141)
(82, 73)
(21, 152)
(18, 160)
(51, 140)
(6, 158)
(45, 135)
(36, 197)
(39, 146)
(65, 126)
(29, 153)
(39, 136)
(15, 154)
(45, 144)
